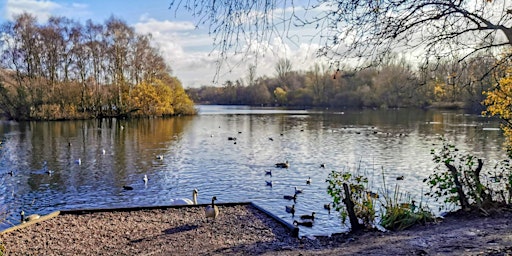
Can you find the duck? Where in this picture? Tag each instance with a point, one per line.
(298, 190)
(127, 187)
(288, 197)
(185, 201)
(269, 183)
(400, 178)
(211, 211)
(290, 209)
(268, 173)
(303, 223)
(160, 157)
(322, 165)
(308, 217)
(283, 165)
(308, 181)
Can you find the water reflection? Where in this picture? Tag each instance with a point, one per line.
(196, 153)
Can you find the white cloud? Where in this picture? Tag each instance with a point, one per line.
(42, 9)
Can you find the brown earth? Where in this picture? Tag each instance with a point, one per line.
(244, 230)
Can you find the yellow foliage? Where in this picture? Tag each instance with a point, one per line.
(161, 98)
(439, 90)
(280, 95)
(499, 103)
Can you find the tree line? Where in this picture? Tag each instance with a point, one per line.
(63, 69)
(395, 83)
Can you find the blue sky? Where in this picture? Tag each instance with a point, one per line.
(187, 49)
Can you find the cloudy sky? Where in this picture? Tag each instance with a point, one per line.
(187, 48)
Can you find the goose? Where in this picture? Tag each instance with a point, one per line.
(298, 190)
(127, 187)
(145, 179)
(29, 218)
(287, 197)
(211, 211)
(328, 207)
(269, 183)
(303, 223)
(290, 209)
(308, 181)
(283, 165)
(185, 201)
(322, 166)
(160, 157)
(400, 178)
(308, 217)
(269, 173)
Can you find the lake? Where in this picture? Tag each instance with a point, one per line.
(91, 160)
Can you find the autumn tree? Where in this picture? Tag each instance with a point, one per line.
(64, 70)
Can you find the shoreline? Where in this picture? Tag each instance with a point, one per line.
(242, 229)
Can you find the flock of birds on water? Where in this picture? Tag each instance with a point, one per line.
(306, 220)
(211, 210)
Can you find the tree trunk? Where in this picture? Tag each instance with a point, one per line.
(462, 197)
(354, 223)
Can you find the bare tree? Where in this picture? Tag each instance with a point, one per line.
(363, 31)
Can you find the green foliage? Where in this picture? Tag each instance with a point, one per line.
(458, 179)
(364, 203)
(397, 212)
(400, 215)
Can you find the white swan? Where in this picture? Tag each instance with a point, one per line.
(211, 211)
(185, 201)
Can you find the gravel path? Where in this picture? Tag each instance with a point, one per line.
(245, 230)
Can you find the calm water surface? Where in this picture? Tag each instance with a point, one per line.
(197, 154)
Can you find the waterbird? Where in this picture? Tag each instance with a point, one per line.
(185, 201)
(125, 187)
(290, 209)
(400, 178)
(145, 179)
(298, 190)
(269, 173)
(288, 197)
(28, 218)
(283, 165)
(78, 161)
(269, 183)
(308, 217)
(328, 207)
(308, 181)
(303, 223)
(160, 157)
(211, 211)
